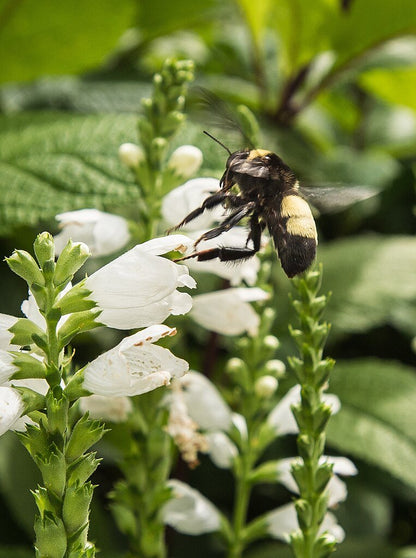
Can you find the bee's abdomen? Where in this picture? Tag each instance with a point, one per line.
(295, 236)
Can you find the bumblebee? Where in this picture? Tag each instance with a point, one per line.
(259, 186)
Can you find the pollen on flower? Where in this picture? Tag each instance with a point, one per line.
(183, 429)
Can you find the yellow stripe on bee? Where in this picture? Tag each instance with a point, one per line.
(257, 153)
(299, 216)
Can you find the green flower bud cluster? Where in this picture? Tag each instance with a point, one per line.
(312, 415)
(163, 112)
(56, 439)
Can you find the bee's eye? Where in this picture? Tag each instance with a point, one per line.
(267, 158)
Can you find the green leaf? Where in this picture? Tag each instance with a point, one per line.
(372, 282)
(395, 86)
(376, 421)
(58, 162)
(55, 38)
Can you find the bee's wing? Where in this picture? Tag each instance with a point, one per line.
(332, 198)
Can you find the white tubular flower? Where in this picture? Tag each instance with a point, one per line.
(221, 449)
(245, 271)
(139, 288)
(281, 417)
(205, 403)
(134, 366)
(283, 521)
(227, 312)
(103, 233)
(131, 155)
(11, 407)
(186, 160)
(7, 368)
(6, 321)
(112, 409)
(182, 200)
(189, 512)
(337, 490)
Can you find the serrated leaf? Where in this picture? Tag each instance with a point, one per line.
(47, 37)
(372, 282)
(52, 163)
(376, 422)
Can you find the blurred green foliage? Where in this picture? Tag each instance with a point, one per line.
(333, 85)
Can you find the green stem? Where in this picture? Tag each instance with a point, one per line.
(242, 498)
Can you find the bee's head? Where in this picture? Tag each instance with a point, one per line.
(260, 163)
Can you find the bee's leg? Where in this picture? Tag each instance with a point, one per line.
(228, 223)
(223, 253)
(256, 229)
(209, 203)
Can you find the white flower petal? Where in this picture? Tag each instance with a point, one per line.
(134, 366)
(178, 203)
(189, 512)
(283, 521)
(40, 385)
(102, 232)
(11, 407)
(6, 321)
(113, 409)
(221, 449)
(7, 368)
(138, 289)
(205, 403)
(225, 312)
(165, 244)
(241, 424)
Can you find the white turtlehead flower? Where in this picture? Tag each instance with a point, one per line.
(6, 322)
(221, 449)
(102, 232)
(113, 409)
(205, 403)
(189, 512)
(131, 155)
(281, 417)
(134, 366)
(185, 198)
(11, 407)
(228, 312)
(283, 521)
(186, 160)
(7, 368)
(243, 271)
(139, 288)
(336, 488)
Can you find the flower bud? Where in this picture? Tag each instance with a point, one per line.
(71, 259)
(131, 155)
(84, 435)
(265, 386)
(50, 536)
(44, 248)
(22, 263)
(186, 160)
(271, 342)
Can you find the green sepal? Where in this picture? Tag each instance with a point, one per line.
(50, 536)
(74, 388)
(321, 507)
(44, 248)
(321, 417)
(297, 543)
(323, 370)
(24, 265)
(299, 473)
(41, 341)
(80, 470)
(57, 407)
(48, 270)
(76, 300)
(85, 434)
(42, 501)
(323, 475)
(28, 366)
(296, 365)
(266, 472)
(35, 439)
(304, 513)
(324, 546)
(40, 294)
(77, 323)
(75, 507)
(32, 399)
(53, 469)
(306, 447)
(23, 331)
(124, 518)
(257, 529)
(72, 257)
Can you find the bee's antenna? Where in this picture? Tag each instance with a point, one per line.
(217, 140)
